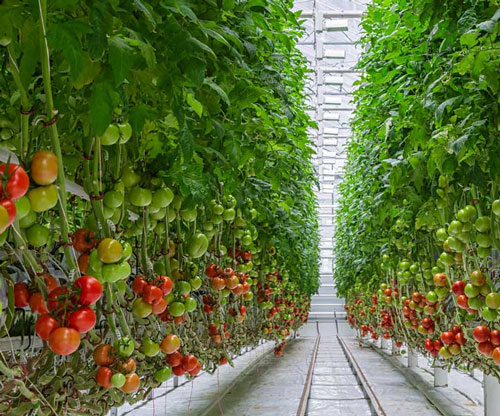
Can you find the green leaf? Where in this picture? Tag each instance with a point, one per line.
(194, 104)
(219, 91)
(97, 41)
(120, 57)
(102, 102)
(442, 107)
(186, 141)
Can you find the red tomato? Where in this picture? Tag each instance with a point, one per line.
(103, 377)
(458, 287)
(174, 359)
(481, 333)
(45, 325)
(91, 290)
(495, 337)
(152, 294)
(179, 371)
(485, 348)
(129, 366)
(189, 362)
(83, 320)
(160, 307)
(11, 210)
(17, 181)
(496, 355)
(37, 303)
(132, 382)
(212, 270)
(460, 338)
(103, 355)
(448, 337)
(83, 240)
(59, 298)
(138, 285)
(243, 310)
(21, 295)
(170, 344)
(165, 284)
(64, 341)
(49, 280)
(196, 370)
(463, 302)
(222, 361)
(83, 262)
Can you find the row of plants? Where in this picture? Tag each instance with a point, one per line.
(417, 236)
(157, 208)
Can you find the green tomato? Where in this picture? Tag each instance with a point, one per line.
(129, 177)
(225, 292)
(190, 304)
(125, 132)
(114, 272)
(121, 286)
(239, 222)
(471, 291)
(441, 292)
(455, 227)
(111, 135)
(483, 240)
(462, 215)
(162, 198)
(140, 197)
(208, 226)
(150, 348)
(489, 315)
(495, 207)
(248, 296)
(176, 309)
(197, 245)
(177, 202)
(447, 259)
(43, 198)
(229, 201)
(95, 265)
(171, 214)
(483, 252)
(455, 244)
(493, 300)
(182, 287)
(170, 298)
(195, 283)
(28, 220)
(217, 219)
(163, 374)
(218, 209)
(23, 207)
(127, 251)
(189, 215)
(404, 265)
(485, 289)
(107, 212)
(432, 297)
(124, 347)
(443, 352)
(229, 214)
(476, 303)
(37, 235)
(113, 199)
(118, 380)
(141, 308)
(483, 224)
(247, 240)
(238, 233)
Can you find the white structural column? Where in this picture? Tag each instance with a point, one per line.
(412, 358)
(332, 28)
(440, 375)
(491, 396)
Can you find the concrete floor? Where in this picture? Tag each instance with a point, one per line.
(263, 385)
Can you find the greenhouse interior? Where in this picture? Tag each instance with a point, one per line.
(249, 207)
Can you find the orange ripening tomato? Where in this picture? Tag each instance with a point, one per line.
(44, 167)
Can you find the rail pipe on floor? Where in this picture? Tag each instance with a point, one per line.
(301, 411)
(374, 403)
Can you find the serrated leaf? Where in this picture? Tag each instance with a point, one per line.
(194, 104)
(442, 107)
(145, 10)
(120, 57)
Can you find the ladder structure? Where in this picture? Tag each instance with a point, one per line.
(329, 44)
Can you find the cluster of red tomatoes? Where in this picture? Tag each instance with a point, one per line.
(278, 350)
(31, 296)
(215, 335)
(179, 364)
(239, 317)
(69, 314)
(227, 278)
(83, 241)
(151, 294)
(240, 256)
(488, 342)
(264, 292)
(452, 340)
(14, 183)
(116, 367)
(390, 294)
(433, 347)
(411, 310)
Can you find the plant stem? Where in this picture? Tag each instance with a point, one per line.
(56, 145)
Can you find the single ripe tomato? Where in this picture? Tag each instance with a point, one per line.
(64, 341)
(49, 280)
(21, 295)
(83, 262)
(17, 181)
(83, 240)
(159, 307)
(109, 250)
(174, 359)
(481, 333)
(448, 337)
(103, 377)
(132, 382)
(103, 355)
(179, 371)
(189, 362)
(44, 167)
(37, 303)
(138, 285)
(83, 320)
(152, 294)
(495, 337)
(486, 348)
(90, 290)
(129, 366)
(165, 284)
(45, 325)
(196, 370)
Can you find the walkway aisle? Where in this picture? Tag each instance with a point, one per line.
(335, 389)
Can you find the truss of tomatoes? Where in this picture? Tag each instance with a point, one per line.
(67, 314)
